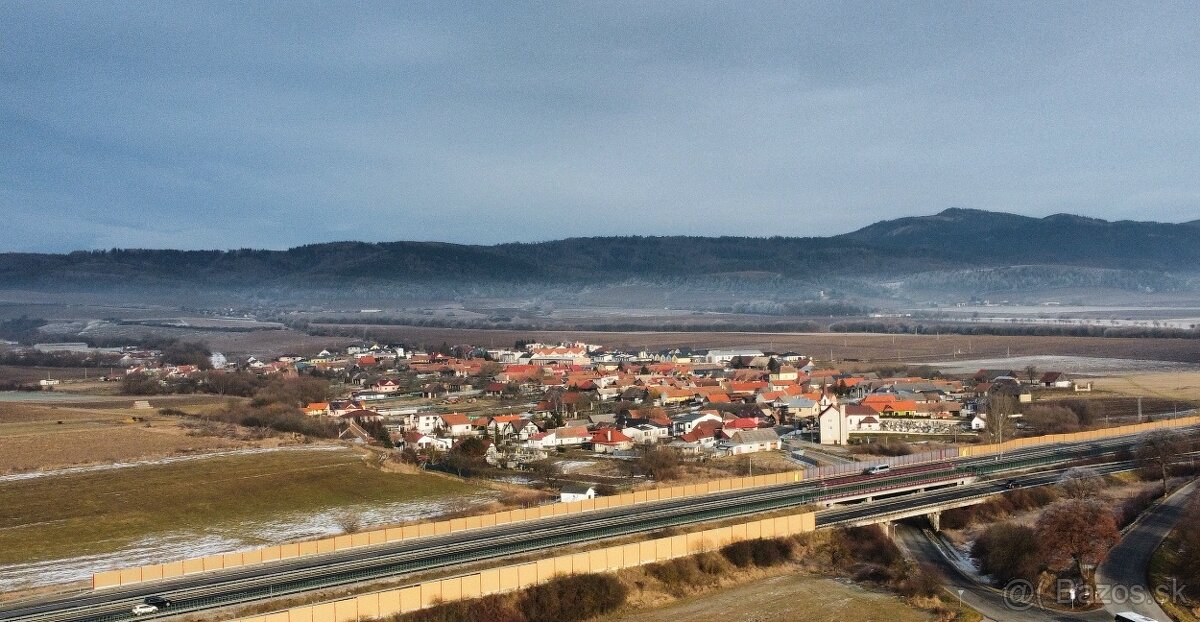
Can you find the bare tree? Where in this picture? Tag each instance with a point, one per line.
(1078, 532)
(1158, 448)
(1081, 483)
(1000, 409)
(1031, 372)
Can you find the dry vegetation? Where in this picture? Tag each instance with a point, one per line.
(45, 436)
(1164, 385)
(699, 587)
(100, 511)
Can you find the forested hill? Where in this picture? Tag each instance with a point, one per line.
(952, 240)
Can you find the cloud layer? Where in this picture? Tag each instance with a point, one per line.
(225, 125)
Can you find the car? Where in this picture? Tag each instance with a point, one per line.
(158, 601)
(877, 469)
(143, 609)
(1012, 484)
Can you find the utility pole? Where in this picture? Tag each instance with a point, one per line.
(1139, 409)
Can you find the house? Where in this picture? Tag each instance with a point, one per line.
(682, 424)
(504, 425)
(495, 389)
(559, 437)
(433, 390)
(751, 441)
(668, 396)
(978, 422)
(831, 421)
(315, 409)
(360, 415)
(703, 436)
(417, 442)
(646, 433)
(609, 440)
(387, 385)
(861, 418)
(456, 424)
(1056, 380)
(576, 492)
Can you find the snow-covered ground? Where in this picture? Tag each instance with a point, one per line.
(168, 460)
(228, 539)
(1070, 364)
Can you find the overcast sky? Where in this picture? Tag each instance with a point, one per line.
(255, 124)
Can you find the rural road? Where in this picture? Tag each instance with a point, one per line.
(986, 600)
(1125, 569)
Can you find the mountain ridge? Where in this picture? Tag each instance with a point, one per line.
(954, 239)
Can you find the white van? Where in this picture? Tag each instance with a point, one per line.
(877, 469)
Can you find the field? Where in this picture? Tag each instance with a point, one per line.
(1166, 385)
(53, 434)
(783, 598)
(840, 346)
(91, 513)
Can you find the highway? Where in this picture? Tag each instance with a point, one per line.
(251, 583)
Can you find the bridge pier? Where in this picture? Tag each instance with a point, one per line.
(935, 519)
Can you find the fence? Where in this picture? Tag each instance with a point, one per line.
(170, 570)
(519, 576)
(836, 470)
(1078, 437)
(155, 572)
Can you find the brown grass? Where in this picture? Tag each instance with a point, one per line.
(42, 436)
(1166, 385)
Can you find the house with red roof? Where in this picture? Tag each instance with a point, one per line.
(609, 440)
(456, 424)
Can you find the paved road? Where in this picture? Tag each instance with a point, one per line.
(1124, 573)
(986, 600)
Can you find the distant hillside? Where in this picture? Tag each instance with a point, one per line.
(996, 239)
(947, 243)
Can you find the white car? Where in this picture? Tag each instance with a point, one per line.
(144, 609)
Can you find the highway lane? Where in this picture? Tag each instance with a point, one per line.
(304, 574)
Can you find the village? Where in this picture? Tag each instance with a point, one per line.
(534, 402)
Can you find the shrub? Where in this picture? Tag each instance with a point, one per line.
(680, 575)
(1007, 551)
(566, 599)
(573, 598)
(761, 553)
(923, 580)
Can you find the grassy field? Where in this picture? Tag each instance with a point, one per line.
(1166, 385)
(37, 436)
(90, 513)
(782, 598)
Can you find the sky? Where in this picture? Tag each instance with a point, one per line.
(272, 124)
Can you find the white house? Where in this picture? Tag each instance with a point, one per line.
(577, 492)
(456, 424)
(751, 441)
(835, 429)
(682, 424)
